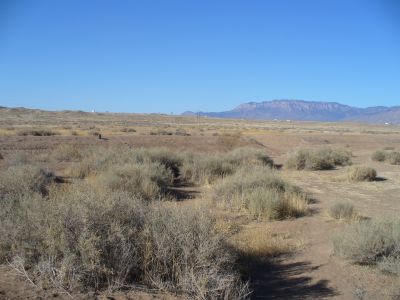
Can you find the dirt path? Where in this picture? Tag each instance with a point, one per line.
(314, 272)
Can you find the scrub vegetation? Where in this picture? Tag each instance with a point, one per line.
(321, 159)
(113, 224)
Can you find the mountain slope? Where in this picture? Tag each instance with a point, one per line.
(309, 111)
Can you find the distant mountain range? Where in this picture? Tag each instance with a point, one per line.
(308, 111)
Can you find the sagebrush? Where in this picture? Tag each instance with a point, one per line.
(321, 159)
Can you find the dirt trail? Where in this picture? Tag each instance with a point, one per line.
(314, 272)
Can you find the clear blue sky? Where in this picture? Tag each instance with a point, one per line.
(171, 56)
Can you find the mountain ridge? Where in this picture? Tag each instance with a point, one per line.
(301, 110)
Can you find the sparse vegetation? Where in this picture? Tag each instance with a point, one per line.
(94, 133)
(125, 129)
(260, 192)
(207, 168)
(148, 180)
(92, 236)
(371, 243)
(342, 211)
(66, 152)
(379, 155)
(116, 220)
(321, 159)
(393, 157)
(361, 173)
(203, 169)
(36, 132)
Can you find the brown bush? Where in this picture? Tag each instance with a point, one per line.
(260, 192)
(372, 243)
(66, 152)
(37, 132)
(321, 159)
(361, 173)
(379, 155)
(342, 211)
(79, 238)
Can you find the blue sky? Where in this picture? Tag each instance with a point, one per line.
(171, 56)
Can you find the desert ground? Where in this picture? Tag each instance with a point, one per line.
(285, 258)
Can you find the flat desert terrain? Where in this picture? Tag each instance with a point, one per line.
(280, 257)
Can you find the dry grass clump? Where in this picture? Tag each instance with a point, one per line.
(361, 173)
(342, 211)
(371, 243)
(23, 180)
(260, 192)
(194, 168)
(229, 140)
(184, 253)
(81, 238)
(67, 152)
(260, 243)
(168, 159)
(245, 156)
(37, 132)
(128, 129)
(379, 155)
(321, 159)
(20, 187)
(393, 157)
(148, 180)
(201, 169)
(206, 168)
(99, 160)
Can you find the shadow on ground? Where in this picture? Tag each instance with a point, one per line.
(183, 191)
(280, 280)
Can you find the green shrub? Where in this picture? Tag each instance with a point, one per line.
(259, 191)
(372, 243)
(342, 211)
(361, 173)
(379, 155)
(321, 159)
